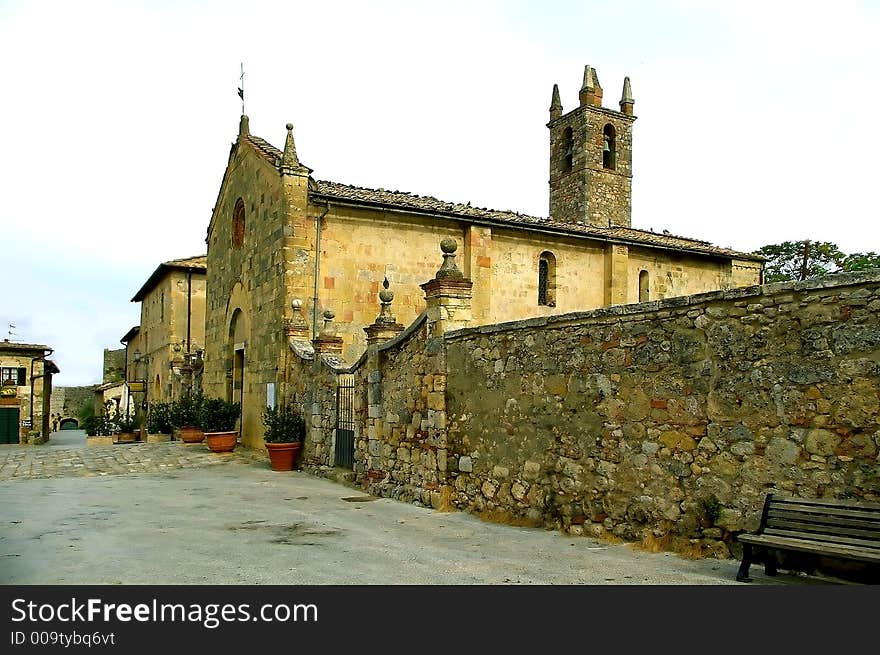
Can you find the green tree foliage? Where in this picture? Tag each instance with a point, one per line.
(799, 260)
(860, 261)
(86, 410)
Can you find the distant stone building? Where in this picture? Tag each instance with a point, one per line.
(25, 392)
(277, 235)
(165, 350)
(114, 365)
(67, 405)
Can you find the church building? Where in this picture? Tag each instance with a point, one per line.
(277, 235)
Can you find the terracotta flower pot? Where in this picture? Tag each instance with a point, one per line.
(189, 434)
(222, 442)
(125, 437)
(282, 456)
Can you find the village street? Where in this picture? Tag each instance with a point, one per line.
(178, 514)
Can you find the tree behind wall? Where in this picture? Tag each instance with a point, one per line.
(799, 260)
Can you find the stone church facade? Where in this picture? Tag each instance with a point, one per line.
(278, 235)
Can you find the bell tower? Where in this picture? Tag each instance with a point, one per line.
(591, 157)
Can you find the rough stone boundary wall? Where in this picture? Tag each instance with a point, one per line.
(670, 421)
(402, 454)
(311, 387)
(399, 405)
(666, 421)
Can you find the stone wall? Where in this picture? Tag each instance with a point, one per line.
(312, 389)
(114, 365)
(670, 420)
(666, 421)
(402, 452)
(67, 402)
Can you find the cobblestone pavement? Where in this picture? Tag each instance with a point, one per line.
(33, 462)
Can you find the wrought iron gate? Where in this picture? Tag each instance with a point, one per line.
(345, 422)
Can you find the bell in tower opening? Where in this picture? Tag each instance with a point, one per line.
(608, 147)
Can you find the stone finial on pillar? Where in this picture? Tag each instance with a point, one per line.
(385, 326)
(626, 98)
(327, 341)
(297, 327)
(290, 163)
(448, 295)
(244, 126)
(329, 330)
(597, 93)
(591, 92)
(448, 269)
(555, 104)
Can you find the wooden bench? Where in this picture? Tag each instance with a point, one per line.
(799, 532)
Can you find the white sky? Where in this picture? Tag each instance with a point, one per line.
(757, 124)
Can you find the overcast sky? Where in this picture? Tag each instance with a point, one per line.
(757, 123)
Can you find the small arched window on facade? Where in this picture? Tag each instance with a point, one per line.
(609, 147)
(643, 286)
(238, 224)
(567, 149)
(547, 279)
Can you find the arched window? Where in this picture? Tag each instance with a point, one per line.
(609, 147)
(567, 149)
(643, 286)
(238, 224)
(547, 279)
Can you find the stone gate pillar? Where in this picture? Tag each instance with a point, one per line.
(448, 295)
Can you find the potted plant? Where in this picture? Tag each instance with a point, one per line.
(186, 416)
(126, 427)
(100, 428)
(284, 435)
(218, 422)
(159, 423)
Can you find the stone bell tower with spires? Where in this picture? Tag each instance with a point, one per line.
(591, 157)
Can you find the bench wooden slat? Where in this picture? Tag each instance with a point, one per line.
(812, 536)
(827, 511)
(813, 547)
(822, 519)
(823, 528)
(830, 503)
(822, 531)
(841, 529)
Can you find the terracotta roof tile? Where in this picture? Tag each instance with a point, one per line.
(199, 261)
(414, 202)
(270, 153)
(17, 345)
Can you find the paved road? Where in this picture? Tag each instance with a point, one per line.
(68, 438)
(69, 456)
(178, 514)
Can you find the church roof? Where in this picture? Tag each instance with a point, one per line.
(272, 154)
(428, 204)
